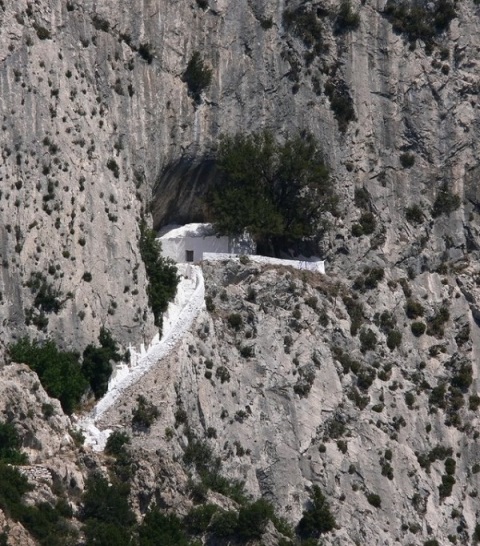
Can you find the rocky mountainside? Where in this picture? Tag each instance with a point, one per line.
(362, 382)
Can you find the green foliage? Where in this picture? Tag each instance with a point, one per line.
(161, 273)
(463, 376)
(418, 328)
(476, 534)
(369, 279)
(420, 21)
(445, 488)
(199, 456)
(341, 102)
(198, 519)
(96, 366)
(10, 445)
(116, 443)
(223, 374)
(145, 414)
(59, 371)
(362, 198)
(347, 19)
(435, 326)
(317, 518)
(253, 518)
(235, 321)
(407, 160)
(224, 524)
(106, 512)
(445, 203)
(304, 24)
(247, 351)
(47, 299)
(414, 309)
(437, 396)
(197, 76)
(366, 225)
(368, 340)
(160, 529)
(474, 402)
(43, 521)
(394, 339)
(277, 192)
(42, 32)
(112, 165)
(355, 311)
(145, 52)
(374, 500)
(414, 214)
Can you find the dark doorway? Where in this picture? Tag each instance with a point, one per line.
(189, 255)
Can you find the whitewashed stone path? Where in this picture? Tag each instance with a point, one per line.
(181, 313)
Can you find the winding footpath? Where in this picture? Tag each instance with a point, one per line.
(189, 301)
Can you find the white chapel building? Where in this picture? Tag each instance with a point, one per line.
(189, 242)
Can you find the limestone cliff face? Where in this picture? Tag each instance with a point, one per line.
(275, 383)
(96, 118)
(95, 114)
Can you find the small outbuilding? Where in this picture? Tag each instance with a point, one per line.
(188, 243)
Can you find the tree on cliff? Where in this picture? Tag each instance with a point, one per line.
(161, 273)
(278, 192)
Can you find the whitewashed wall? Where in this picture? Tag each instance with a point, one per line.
(175, 248)
(317, 266)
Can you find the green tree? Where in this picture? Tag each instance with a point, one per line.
(96, 366)
(158, 528)
(197, 76)
(278, 192)
(58, 371)
(106, 504)
(10, 445)
(318, 518)
(253, 518)
(161, 273)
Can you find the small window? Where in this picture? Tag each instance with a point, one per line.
(189, 255)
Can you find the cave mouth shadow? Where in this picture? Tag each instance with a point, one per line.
(180, 190)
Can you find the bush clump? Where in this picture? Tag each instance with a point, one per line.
(414, 214)
(97, 362)
(235, 321)
(317, 519)
(414, 309)
(374, 500)
(445, 203)
(347, 19)
(197, 76)
(418, 328)
(407, 160)
(145, 414)
(10, 445)
(59, 371)
(116, 443)
(420, 21)
(368, 340)
(161, 273)
(305, 24)
(366, 225)
(435, 324)
(341, 102)
(394, 339)
(355, 311)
